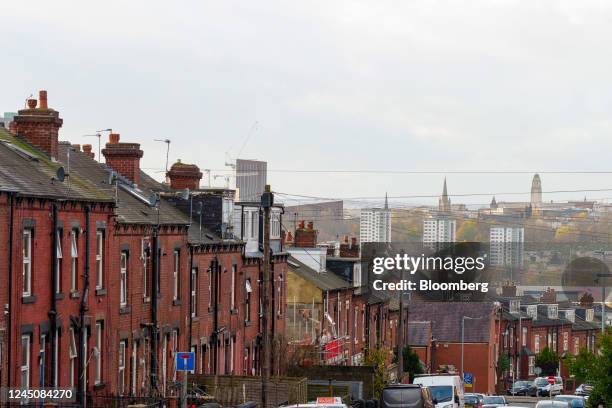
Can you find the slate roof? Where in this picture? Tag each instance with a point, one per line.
(419, 333)
(130, 208)
(446, 317)
(322, 280)
(30, 172)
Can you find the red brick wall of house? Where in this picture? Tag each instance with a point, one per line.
(478, 360)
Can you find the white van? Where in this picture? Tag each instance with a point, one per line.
(446, 390)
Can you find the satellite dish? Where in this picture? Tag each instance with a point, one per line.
(184, 194)
(112, 176)
(60, 174)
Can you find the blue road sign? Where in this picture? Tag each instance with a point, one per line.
(468, 378)
(185, 361)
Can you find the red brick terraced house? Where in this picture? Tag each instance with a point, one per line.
(109, 273)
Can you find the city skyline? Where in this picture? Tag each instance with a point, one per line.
(486, 99)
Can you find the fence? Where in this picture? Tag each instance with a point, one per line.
(233, 390)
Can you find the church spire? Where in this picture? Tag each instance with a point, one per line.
(444, 204)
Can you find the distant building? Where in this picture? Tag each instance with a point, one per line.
(375, 224)
(251, 179)
(439, 229)
(328, 215)
(536, 191)
(507, 245)
(444, 203)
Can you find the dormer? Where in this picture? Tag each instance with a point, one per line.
(570, 315)
(515, 306)
(589, 314)
(532, 311)
(552, 311)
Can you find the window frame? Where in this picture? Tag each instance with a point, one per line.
(100, 259)
(98, 356)
(121, 354)
(74, 259)
(26, 272)
(123, 278)
(58, 261)
(25, 367)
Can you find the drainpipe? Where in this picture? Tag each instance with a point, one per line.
(214, 270)
(190, 291)
(82, 311)
(53, 310)
(10, 286)
(154, 295)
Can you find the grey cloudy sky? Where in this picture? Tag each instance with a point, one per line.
(413, 85)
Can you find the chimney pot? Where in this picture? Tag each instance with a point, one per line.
(310, 225)
(301, 224)
(113, 138)
(354, 241)
(42, 96)
(87, 148)
(76, 147)
(32, 103)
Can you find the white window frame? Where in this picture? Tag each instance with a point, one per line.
(121, 367)
(176, 261)
(123, 266)
(72, 354)
(26, 344)
(524, 337)
(233, 288)
(536, 343)
(134, 365)
(247, 299)
(531, 362)
(194, 292)
(279, 290)
(565, 341)
(74, 254)
(144, 245)
(58, 262)
(26, 273)
(100, 259)
(98, 356)
(576, 345)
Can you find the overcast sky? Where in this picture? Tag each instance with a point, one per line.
(414, 85)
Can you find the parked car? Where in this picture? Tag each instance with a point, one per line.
(552, 404)
(523, 387)
(473, 400)
(575, 401)
(494, 401)
(446, 390)
(544, 388)
(584, 389)
(406, 396)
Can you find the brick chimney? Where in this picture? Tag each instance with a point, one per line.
(349, 250)
(124, 158)
(305, 237)
(88, 152)
(509, 289)
(586, 300)
(549, 296)
(39, 126)
(184, 176)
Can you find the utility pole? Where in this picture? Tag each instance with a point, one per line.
(400, 334)
(267, 200)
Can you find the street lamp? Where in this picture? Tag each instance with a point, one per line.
(463, 336)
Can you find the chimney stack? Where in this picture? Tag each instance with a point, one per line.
(184, 176)
(87, 151)
(42, 96)
(509, 289)
(38, 126)
(305, 237)
(124, 158)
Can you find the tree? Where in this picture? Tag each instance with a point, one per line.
(596, 369)
(412, 363)
(378, 359)
(548, 361)
(468, 232)
(581, 365)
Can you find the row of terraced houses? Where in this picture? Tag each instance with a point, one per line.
(106, 273)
